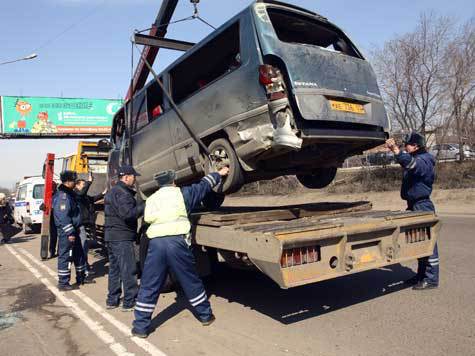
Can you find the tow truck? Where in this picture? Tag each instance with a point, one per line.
(293, 245)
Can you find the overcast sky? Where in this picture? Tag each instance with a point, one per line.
(84, 50)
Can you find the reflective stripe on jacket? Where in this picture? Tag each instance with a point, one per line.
(166, 213)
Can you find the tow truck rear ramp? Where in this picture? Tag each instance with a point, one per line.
(302, 244)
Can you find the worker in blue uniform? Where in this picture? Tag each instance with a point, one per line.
(67, 218)
(122, 211)
(167, 213)
(417, 181)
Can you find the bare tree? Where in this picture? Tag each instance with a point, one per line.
(409, 68)
(459, 82)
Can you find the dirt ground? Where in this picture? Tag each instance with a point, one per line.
(451, 201)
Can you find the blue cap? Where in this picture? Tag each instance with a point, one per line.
(165, 178)
(126, 170)
(414, 138)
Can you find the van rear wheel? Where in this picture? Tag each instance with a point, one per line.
(318, 179)
(223, 155)
(26, 229)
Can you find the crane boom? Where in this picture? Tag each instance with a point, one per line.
(159, 30)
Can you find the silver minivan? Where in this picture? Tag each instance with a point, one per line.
(277, 90)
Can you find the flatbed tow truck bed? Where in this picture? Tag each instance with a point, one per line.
(302, 244)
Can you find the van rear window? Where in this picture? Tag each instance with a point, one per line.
(38, 191)
(295, 28)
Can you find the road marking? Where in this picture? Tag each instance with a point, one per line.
(144, 344)
(94, 326)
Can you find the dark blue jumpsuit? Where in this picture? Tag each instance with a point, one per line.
(416, 188)
(67, 218)
(172, 252)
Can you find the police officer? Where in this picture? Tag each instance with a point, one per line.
(86, 206)
(5, 218)
(67, 218)
(167, 211)
(121, 213)
(416, 188)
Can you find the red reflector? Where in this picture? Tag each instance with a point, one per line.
(300, 256)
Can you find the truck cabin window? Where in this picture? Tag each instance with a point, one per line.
(218, 57)
(295, 28)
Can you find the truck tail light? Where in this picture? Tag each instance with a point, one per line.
(267, 74)
(299, 256)
(417, 234)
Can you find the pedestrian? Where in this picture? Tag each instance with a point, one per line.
(86, 205)
(416, 188)
(167, 212)
(5, 218)
(67, 219)
(121, 213)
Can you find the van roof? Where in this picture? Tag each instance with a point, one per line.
(36, 179)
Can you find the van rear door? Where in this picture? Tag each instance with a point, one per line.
(329, 78)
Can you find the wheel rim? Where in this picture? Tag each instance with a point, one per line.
(220, 157)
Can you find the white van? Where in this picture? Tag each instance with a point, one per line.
(29, 197)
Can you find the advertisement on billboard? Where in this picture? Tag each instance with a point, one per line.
(31, 116)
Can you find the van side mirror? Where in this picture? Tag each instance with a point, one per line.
(43, 174)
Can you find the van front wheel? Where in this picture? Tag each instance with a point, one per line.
(318, 179)
(222, 154)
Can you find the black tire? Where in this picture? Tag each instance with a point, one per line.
(235, 180)
(213, 201)
(27, 229)
(320, 178)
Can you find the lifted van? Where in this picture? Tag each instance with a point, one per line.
(276, 90)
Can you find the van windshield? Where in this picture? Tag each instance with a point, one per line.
(295, 28)
(38, 191)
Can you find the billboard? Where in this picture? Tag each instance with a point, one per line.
(42, 116)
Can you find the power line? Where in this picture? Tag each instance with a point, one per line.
(70, 27)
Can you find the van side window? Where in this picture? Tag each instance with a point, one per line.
(139, 111)
(295, 28)
(38, 191)
(21, 193)
(216, 58)
(154, 101)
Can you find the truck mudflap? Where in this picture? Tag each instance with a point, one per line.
(309, 245)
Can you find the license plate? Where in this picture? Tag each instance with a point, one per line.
(348, 107)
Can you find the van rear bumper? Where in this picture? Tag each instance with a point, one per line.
(336, 134)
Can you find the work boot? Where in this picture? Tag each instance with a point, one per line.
(137, 333)
(208, 321)
(88, 280)
(66, 287)
(413, 280)
(422, 285)
(128, 308)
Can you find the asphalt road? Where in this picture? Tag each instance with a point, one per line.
(371, 313)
